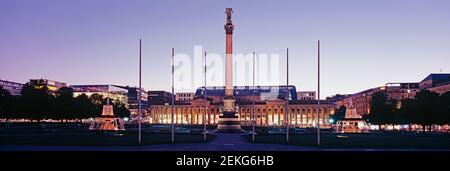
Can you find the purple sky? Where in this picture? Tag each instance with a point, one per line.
(364, 43)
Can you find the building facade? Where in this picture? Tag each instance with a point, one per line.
(267, 113)
(133, 99)
(184, 96)
(441, 88)
(306, 95)
(155, 97)
(52, 85)
(268, 110)
(439, 83)
(245, 93)
(12, 87)
(337, 99)
(112, 91)
(361, 101)
(434, 80)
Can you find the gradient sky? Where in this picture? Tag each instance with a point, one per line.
(364, 43)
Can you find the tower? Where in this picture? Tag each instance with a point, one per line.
(228, 120)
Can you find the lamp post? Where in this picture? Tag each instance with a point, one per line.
(318, 93)
(287, 96)
(253, 101)
(173, 100)
(140, 94)
(206, 107)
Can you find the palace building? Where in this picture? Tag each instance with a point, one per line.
(230, 107)
(268, 110)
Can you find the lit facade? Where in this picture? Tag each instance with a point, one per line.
(112, 91)
(306, 95)
(441, 88)
(133, 98)
(267, 113)
(435, 80)
(155, 97)
(245, 93)
(362, 100)
(12, 87)
(184, 96)
(52, 85)
(439, 83)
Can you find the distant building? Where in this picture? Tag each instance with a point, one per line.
(52, 85)
(362, 100)
(245, 93)
(133, 98)
(439, 83)
(106, 90)
(269, 108)
(306, 95)
(12, 87)
(155, 97)
(337, 99)
(185, 96)
(441, 88)
(434, 80)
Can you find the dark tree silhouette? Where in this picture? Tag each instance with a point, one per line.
(339, 114)
(6, 100)
(84, 108)
(427, 108)
(65, 104)
(36, 101)
(379, 110)
(120, 109)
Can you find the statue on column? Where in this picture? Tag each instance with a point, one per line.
(229, 11)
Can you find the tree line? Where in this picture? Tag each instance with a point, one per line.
(36, 102)
(426, 109)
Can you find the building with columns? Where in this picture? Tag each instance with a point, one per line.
(268, 112)
(230, 107)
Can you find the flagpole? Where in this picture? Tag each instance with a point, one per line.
(318, 93)
(287, 96)
(205, 113)
(173, 100)
(140, 93)
(253, 105)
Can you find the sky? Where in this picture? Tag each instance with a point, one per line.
(364, 44)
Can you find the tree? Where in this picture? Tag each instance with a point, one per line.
(427, 109)
(98, 101)
(84, 108)
(5, 103)
(65, 104)
(444, 111)
(339, 114)
(379, 110)
(120, 109)
(36, 101)
(408, 111)
(393, 116)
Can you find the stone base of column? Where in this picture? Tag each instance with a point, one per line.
(229, 123)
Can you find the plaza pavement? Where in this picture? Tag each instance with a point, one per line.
(222, 142)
